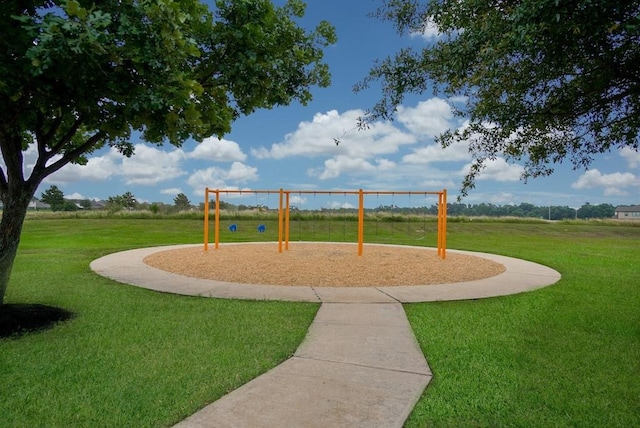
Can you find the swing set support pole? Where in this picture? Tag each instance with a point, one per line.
(216, 227)
(442, 224)
(280, 222)
(206, 219)
(287, 219)
(360, 221)
(216, 232)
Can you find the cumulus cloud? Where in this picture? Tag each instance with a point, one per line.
(340, 205)
(631, 156)
(150, 165)
(297, 200)
(436, 153)
(358, 152)
(75, 196)
(614, 184)
(221, 178)
(428, 119)
(498, 170)
(339, 165)
(218, 150)
(100, 168)
(171, 191)
(242, 173)
(316, 138)
(333, 167)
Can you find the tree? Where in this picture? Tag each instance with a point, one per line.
(119, 202)
(54, 197)
(544, 80)
(128, 200)
(70, 206)
(182, 202)
(76, 76)
(114, 203)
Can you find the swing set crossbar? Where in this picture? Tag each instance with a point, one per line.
(284, 213)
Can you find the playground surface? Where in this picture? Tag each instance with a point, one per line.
(320, 264)
(360, 364)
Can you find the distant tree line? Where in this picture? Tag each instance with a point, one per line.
(127, 201)
(524, 210)
(54, 197)
(549, 212)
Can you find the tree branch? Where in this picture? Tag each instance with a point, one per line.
(68, 136)
(43, 154)
(41, 172)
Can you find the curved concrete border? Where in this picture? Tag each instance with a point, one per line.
(520, 276)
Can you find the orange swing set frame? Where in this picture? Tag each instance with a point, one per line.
(284, 214)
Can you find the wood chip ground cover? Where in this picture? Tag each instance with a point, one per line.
(324, 265)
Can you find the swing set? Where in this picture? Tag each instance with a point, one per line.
(284, 213)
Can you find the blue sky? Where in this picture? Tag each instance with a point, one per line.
(292, 147)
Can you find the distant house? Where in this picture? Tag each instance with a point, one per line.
(36, 205)
(631, 212)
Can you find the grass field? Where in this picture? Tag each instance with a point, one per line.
(566, 355)
(563, 356)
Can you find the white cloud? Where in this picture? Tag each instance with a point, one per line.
(335, 166)
(96, 169)
(430, 31)
(436, 184)
(436, 153)
(631, 156)
(316, 138)
(345, 165)
(220, 178)
(75, 195)
(338, 205)
(498, 170)
(297, 200)
(613, 184)
(242, 173)
(100, 168)
(428, 119)
(171, 191)
(148, 166)
(612, 191)
(218, 150)
(385, 164)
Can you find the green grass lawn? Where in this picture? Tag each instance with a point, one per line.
(130, 357)
(565, 355)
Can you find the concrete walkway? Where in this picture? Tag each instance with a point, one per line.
(360, 364)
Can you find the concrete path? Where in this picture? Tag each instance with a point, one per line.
(520, 275)
(360, 364)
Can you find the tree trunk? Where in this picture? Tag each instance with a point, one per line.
(15, 204)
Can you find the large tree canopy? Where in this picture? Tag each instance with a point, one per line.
(76, 75)
(544, 80)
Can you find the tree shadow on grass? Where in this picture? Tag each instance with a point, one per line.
(18, 319)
